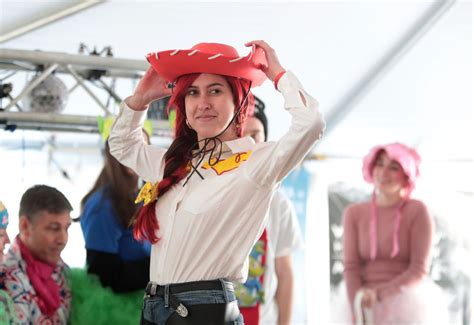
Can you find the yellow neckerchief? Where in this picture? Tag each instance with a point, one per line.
(228, 164)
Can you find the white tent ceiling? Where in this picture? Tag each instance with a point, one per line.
(424, 98)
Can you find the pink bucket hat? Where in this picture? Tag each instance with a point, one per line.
(409, 160)
(407, 157)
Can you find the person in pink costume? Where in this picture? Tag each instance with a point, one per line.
(387, 245)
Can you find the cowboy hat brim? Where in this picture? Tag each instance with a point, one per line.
(173, 64)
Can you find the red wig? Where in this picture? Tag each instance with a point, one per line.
(177, 157)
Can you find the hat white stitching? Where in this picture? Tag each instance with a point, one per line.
(214, 56)
(237, 59)
(250, 55)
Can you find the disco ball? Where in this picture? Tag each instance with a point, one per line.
(49, 96)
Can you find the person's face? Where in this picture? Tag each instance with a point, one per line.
(210, 107)
(388, 175)
(4, 239)
(254, 128)
(46, 236)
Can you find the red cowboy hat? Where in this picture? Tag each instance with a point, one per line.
(210, 58)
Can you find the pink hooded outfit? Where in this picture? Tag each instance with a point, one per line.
(388, 249)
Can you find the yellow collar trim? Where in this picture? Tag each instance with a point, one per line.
(228, 164)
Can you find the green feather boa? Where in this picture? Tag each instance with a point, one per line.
(94, 304)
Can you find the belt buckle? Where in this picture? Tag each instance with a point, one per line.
(182, 311)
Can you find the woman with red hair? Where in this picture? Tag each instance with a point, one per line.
(387, 245)
(207, 195)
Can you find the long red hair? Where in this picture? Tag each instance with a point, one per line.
(177, 157)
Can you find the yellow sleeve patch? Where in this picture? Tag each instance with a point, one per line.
(148, 193)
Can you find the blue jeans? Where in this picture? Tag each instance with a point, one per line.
(156, 309)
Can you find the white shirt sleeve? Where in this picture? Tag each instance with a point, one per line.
(272, 161)
(128, 146)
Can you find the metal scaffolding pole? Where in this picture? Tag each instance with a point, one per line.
(64, 122)
(90, 92)
(15, 65)
(76, 60)
(110, 91)
(31, 85)
(77, 65)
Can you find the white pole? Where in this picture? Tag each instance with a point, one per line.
(49, 19)
(317, 248)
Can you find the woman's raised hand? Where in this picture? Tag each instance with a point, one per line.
(274, 67)
(151, 87)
